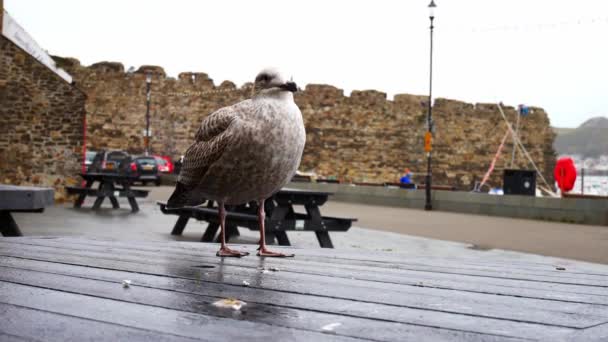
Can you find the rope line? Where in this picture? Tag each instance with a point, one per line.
(521, 145)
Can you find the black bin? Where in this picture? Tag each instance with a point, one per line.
(519, 182)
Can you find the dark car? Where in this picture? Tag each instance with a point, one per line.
(88, 160)
(145, 169)
(110, 161)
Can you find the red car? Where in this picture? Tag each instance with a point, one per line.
(169, 163)
(164, 164)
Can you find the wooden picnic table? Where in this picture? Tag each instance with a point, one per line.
(280, 217)
(20, 199)
(56, 289)
(107, 188)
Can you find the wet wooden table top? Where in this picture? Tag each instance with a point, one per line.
(58, 289)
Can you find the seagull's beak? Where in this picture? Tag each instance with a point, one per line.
(289, 86)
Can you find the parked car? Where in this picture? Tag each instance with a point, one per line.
(114, 159)
(163, 166)
(88, 159)
(145, 169)
(169, 163)
(110, 161)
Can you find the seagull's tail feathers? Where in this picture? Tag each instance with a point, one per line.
(183, 196)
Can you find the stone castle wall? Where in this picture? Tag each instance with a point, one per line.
(41, 122)
(363, 137)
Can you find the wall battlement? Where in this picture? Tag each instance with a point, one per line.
(364, 137)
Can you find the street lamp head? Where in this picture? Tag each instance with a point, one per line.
(148, 78)
(432, 9)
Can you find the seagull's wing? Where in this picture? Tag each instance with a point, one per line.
(211, 140)
(216, 123)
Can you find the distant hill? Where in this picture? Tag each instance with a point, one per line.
(590, 139)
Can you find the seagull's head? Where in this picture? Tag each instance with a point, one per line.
(270, 81)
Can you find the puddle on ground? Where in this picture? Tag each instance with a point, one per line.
(480, 247)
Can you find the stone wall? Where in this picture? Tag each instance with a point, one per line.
(41, 123)
(363, 137)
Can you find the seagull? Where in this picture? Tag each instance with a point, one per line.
(244, 152)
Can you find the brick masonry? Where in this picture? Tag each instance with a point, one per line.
(41, 123)
(364, 137)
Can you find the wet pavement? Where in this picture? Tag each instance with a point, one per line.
(386, 229)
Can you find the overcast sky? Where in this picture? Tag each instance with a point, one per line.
(547, 53)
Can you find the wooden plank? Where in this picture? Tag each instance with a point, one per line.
(12, 338)
(464, 289)
(574, 308)
(594, 334)
(25, 197)
(360, 291)
(178, 252)
(200, 303)
(152, 318)
(27, 324)
(399, 276)
(383, 259)
(107, 191)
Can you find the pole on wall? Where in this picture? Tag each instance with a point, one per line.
(429, 118)
(84, 143)
(1, 15)
(583, 179)
(147, 132)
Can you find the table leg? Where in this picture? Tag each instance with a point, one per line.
(182, 220)
(324, 239)
(101, 198)
(317, 220)
(231, 231)
(282, 238)
(114, 201)
(273, 230)
(110, 189)
(8, 226)
(210, 232)
(81, 197)
(132, 202)
(98, 202)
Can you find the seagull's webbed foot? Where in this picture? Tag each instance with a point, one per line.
(227, 252)
(263, 252)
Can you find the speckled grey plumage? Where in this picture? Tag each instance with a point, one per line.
(247, 151)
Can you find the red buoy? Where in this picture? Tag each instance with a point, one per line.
(565, 174)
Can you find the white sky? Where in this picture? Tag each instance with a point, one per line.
(547, 53)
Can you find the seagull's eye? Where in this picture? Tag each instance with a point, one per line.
(264, 78)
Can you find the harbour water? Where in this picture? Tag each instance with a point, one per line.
(593, 185)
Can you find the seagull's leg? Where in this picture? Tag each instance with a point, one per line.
(224, 250)
(262, 251)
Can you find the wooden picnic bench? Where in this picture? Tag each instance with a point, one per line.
(107, 188)
(280, 217)
(71, 288)
(20, 199)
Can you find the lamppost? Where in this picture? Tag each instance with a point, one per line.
(147, 137)
(429, 118)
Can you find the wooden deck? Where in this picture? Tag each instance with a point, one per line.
(57, 289)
